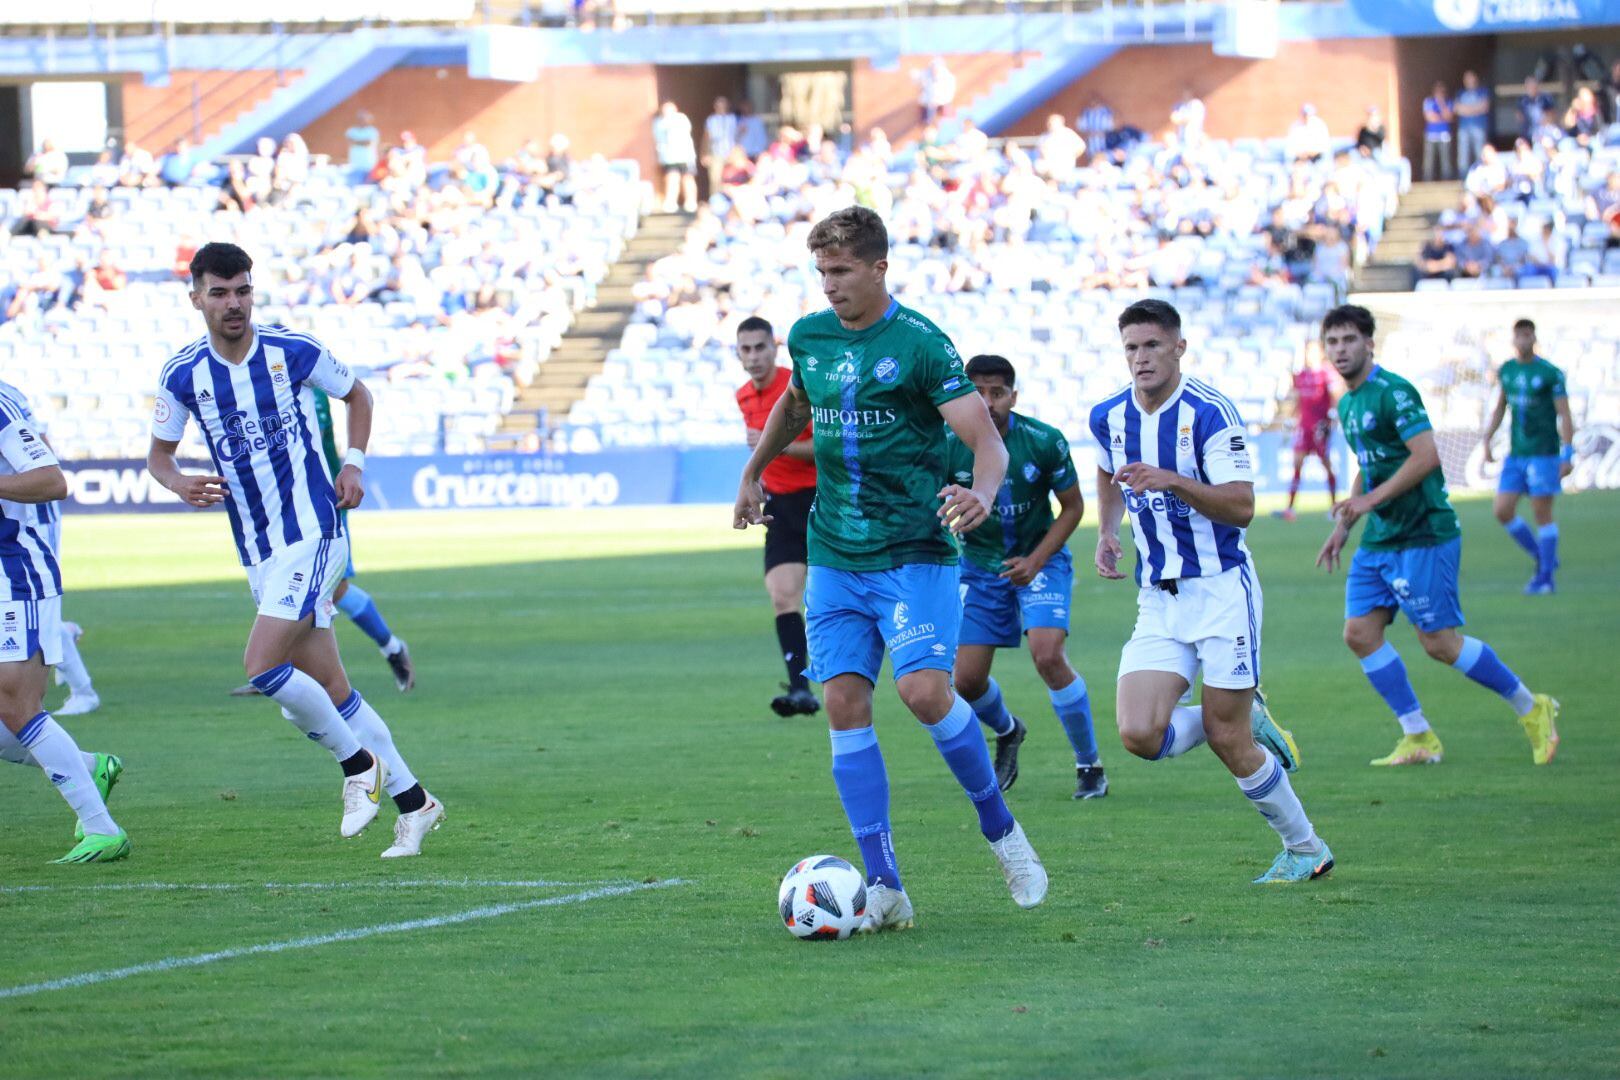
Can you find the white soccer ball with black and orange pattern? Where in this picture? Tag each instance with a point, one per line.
(823, 898)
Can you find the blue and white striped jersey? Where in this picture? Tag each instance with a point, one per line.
(48, 516)
(1198, 434)
(31, 571)
(258, 418)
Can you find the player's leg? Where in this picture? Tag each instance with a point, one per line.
(1545, 485)
(920, 618)
(1067, 691)
(1300, 454)
(361, 609)
(82, 696)
(47, 743)
(1324, 450)
(1155, 671)
(989, 622)
(1370, 603)
(846, 653)
(1510, 486)
(784, 582)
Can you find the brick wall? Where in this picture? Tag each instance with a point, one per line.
(155, 116)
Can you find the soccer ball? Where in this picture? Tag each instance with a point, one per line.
(823, 898)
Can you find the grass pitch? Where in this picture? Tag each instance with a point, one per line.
(592, 712)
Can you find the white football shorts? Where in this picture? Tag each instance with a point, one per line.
(1212, 622)
(31, 626)
(298, 581)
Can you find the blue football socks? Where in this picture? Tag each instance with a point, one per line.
(964, 750)
(1547, 544)
(1479, 662)
(1073, 707)
(358, 605)
(992, 710)
(1519, 529)
(1387, 673)
(863, 788)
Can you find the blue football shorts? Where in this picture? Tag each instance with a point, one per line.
(1421, 581)
(997, 612)
(852, 616)
(1535, 476)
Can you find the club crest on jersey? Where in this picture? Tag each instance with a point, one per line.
(278, 372)
(1186, 437)
(1368, 421)
(887, 370)
(1031, 472)
(160, 411)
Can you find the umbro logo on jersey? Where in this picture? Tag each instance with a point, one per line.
(938, 650)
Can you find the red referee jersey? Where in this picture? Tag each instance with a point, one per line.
(786, 474)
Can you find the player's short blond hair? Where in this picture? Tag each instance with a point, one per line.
(854, 229)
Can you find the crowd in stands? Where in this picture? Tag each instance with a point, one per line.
(1545, 212)
(449, 282)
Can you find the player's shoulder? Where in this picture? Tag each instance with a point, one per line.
(1212, 406)
(912, 319)
(1100, 411)
(817, 322)
(293, 340)
(181, 361)
(1390, 385)
(1038, 431)
(13, 395)
(13, 406)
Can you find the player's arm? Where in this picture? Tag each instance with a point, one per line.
(1230, 503)
(801, 450)
(1566, 435)
(349, 484)
(39, 478)
(965, 509)
(1110, 512)
(201, 490)
(1423, 458)
(1071, 508)
(787, 422)
(1333, 546)
(1498, 413)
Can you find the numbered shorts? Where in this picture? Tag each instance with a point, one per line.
(997, 612)
(1534, 476)
(1421, 581)
(31, 626)
(852, 616)
(1212, 622)
(298, 580)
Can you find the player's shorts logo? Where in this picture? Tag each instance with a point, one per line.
(1038, 582)
(1402, 588)
(887, 370)
(902, 615)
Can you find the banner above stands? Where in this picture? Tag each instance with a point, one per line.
(1398, 17)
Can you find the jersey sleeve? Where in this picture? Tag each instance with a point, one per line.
(1408, 414)
(1223, 448)
(943, 365)
(327, 372)
(1060, 472)
(1099, 434)
(168, 416)
(22, 446)
(795, 351)
(1558, 389)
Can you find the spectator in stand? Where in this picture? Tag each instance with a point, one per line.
(38, 212)
(407, 162)
(1437, 258)
(260, 170)
(137, 168)
(559, 168)
(1611, 94)
(1536, 108)
(1188, 119)
(291, 172)
(1604, 205)
(1330, 261)
(1524, 173)
(364, 141)
(1583, 120)
(971, 143)
(1488, 179)
(1546, 252)
(1059, 151)
(1437, 114)
(1512, 258)
(179, 166)
(936, 90)
(104, 173)
(719, 137)
(1476, 253)
(1308, 138)
(677, 158)
(107, 277)
(234, 191)
(1473, 110)
(49, 163)
(1096, 124)
(1372, 134)
(751, 133)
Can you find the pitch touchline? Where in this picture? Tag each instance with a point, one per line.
(172, 963)
(184, 886)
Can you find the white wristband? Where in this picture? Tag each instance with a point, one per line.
(355, 457)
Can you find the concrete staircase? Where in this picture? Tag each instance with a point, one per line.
(1390, 268)
(597, 330)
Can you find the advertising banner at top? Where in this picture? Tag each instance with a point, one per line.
(1398, 17)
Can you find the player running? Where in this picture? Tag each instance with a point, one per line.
(1017, 577)
(350, 598)
(251, 391)
(1172, 453)
(790, 489)
(1540, 454)
(1313, 400)
(876, 379)
(31, 636)
(82, 696)
(1410, 551)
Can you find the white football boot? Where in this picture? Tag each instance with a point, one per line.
(78, 704)
(412, 827)
(1026, 877)
(886, 909)
(361, 795)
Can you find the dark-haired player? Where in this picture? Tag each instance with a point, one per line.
(1017, 578)
(1541, 452)
(880, 383)
(790, 489)
(1410, 551)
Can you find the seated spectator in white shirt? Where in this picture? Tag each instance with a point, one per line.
(1308, 137)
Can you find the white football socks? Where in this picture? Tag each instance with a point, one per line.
(56, 753)
(304, 702)
(13, 751)
(1186, 730)
(369, 726)
(72, 668)
(1274, 797)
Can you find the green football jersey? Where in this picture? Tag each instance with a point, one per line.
(1378, 417)
(1532, 392)
(879, 437)
(323, 419)
(1038, 466)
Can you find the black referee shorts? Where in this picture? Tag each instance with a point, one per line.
(785, 536)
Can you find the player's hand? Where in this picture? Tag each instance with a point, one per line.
(350, 486)
(1109, 552)
(1140, 476)
(1021, 570)
(201, 491)
(750, 508)
(1565, 469)
(1353, 509)
(964, 509)
(753, 437)
(1485, 452)
(1328, 557)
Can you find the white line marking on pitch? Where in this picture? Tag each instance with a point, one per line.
(172, 963)
(272, 886)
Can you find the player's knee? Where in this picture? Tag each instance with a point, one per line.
(1504, 513)
(1053, 666)
(1140, 739)
(1442, 647)
(1361, 639)
(928, 699)
(972, 685)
